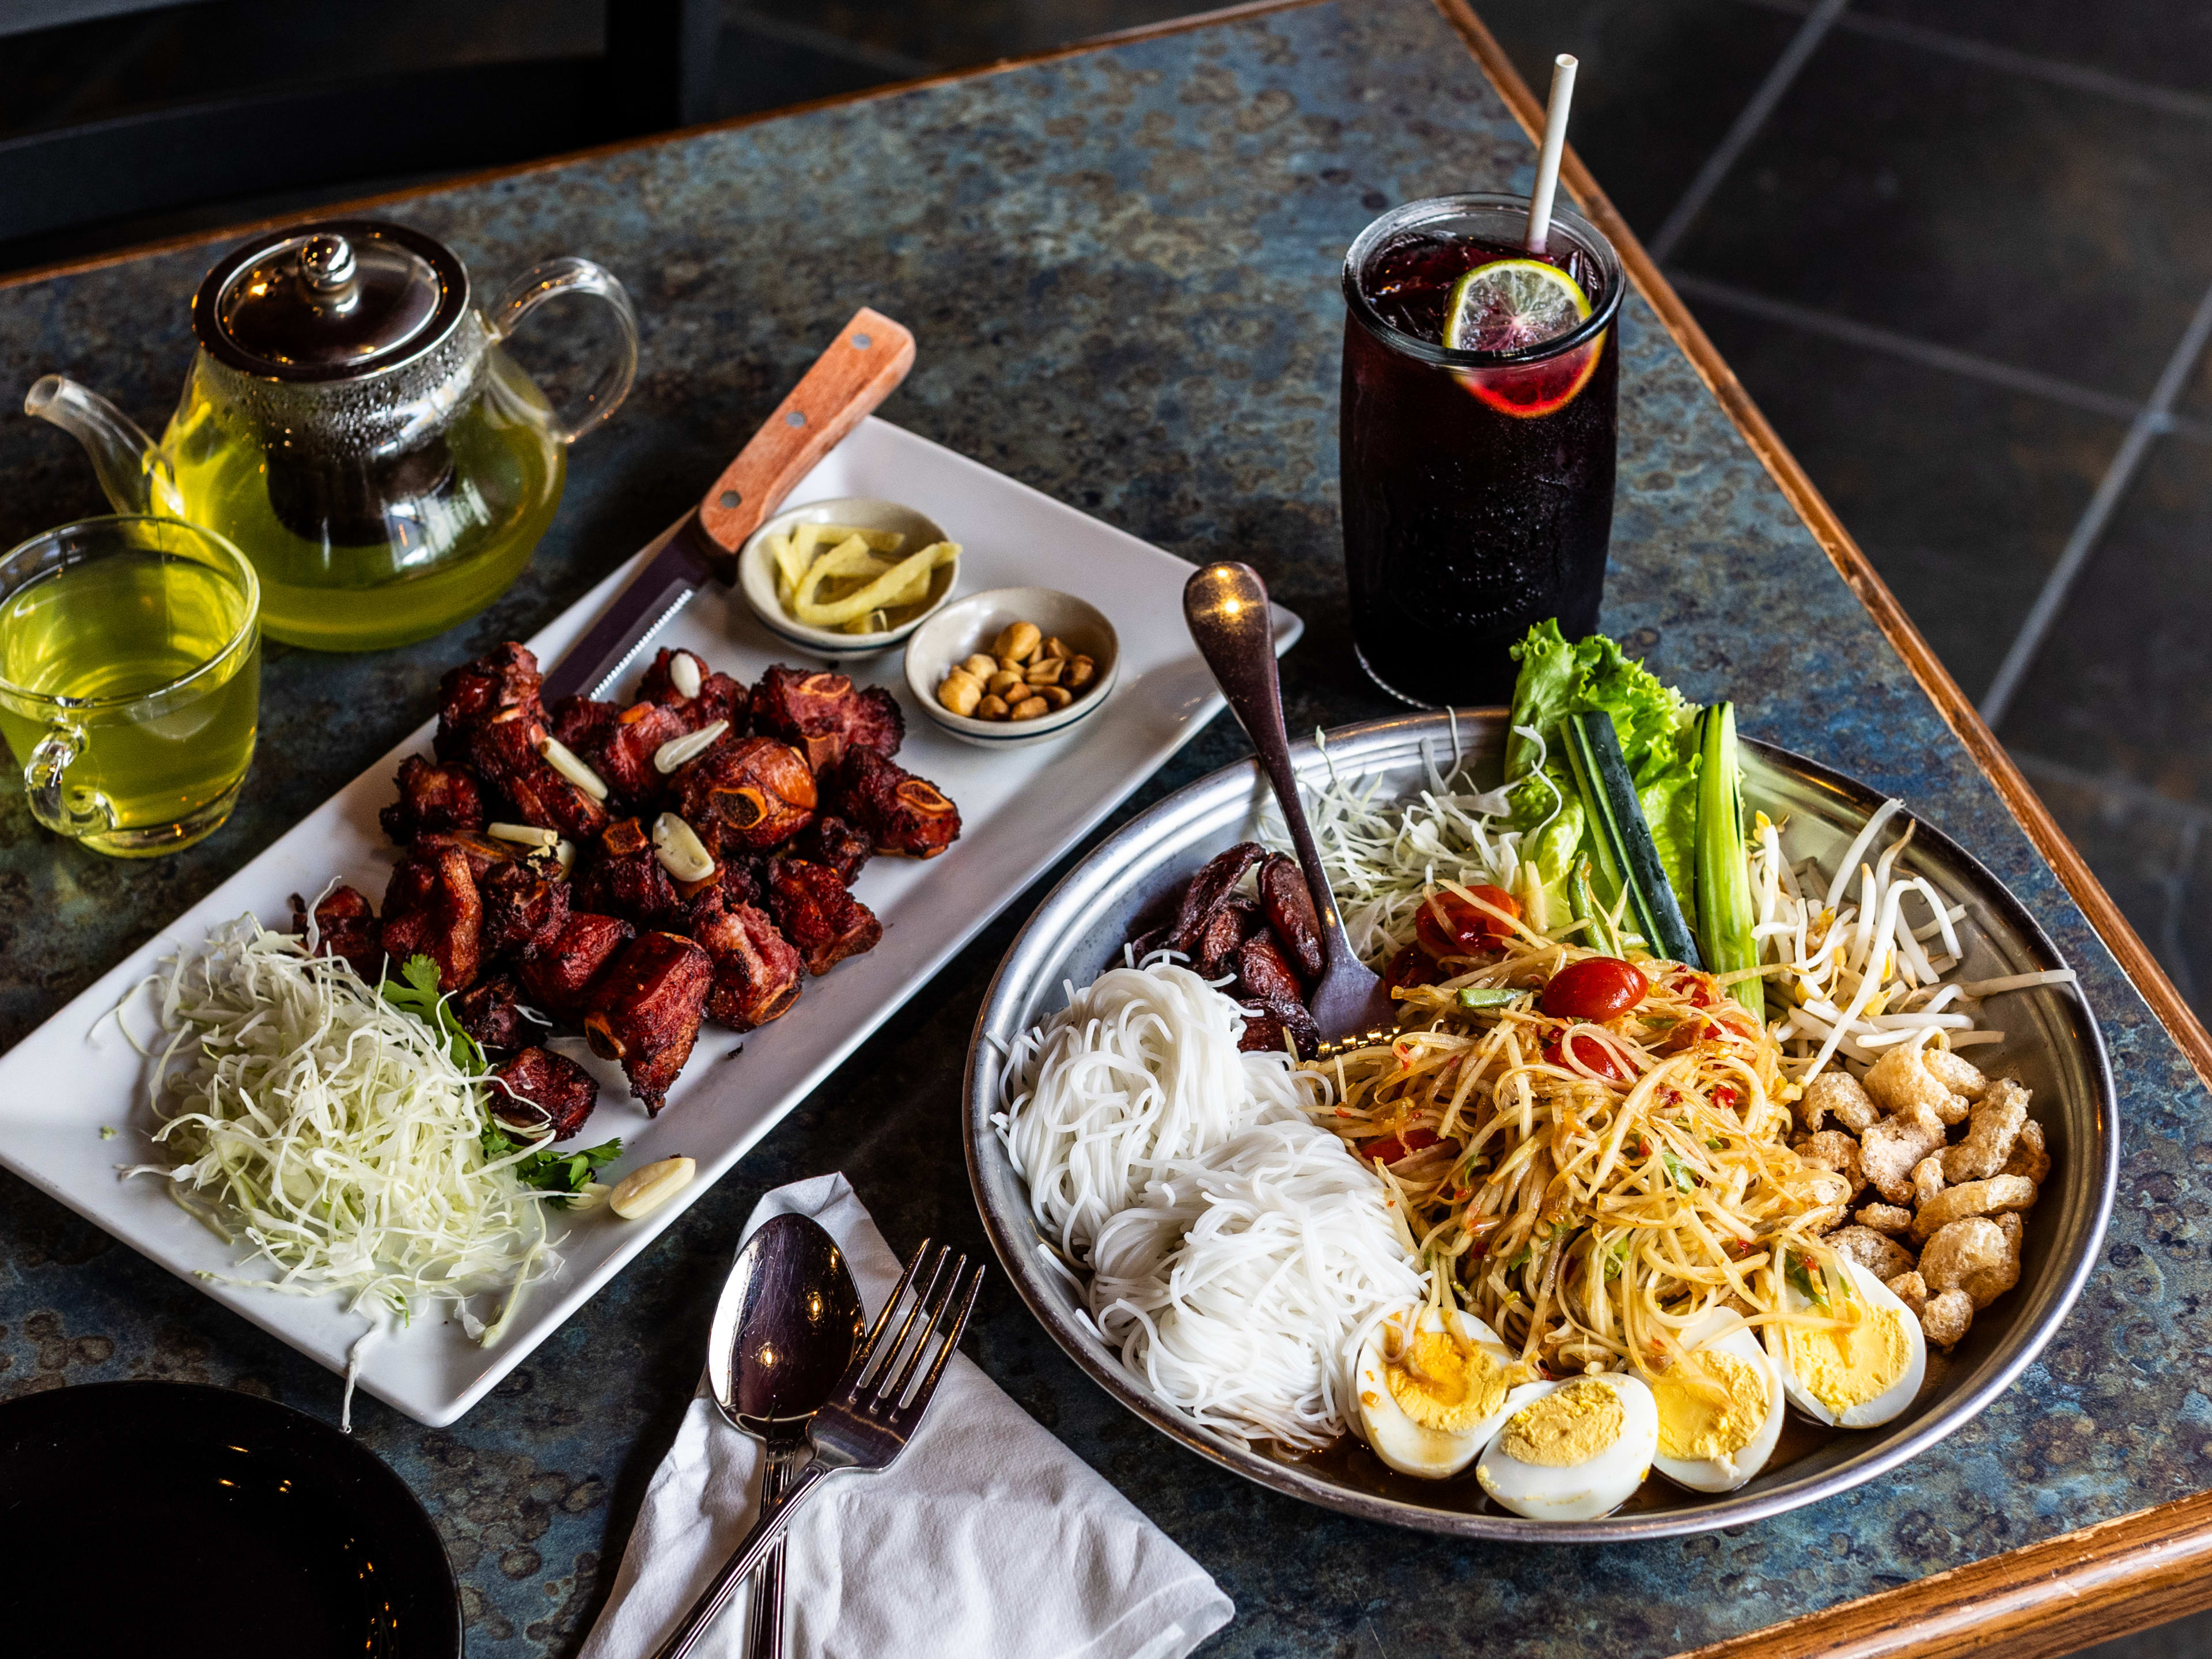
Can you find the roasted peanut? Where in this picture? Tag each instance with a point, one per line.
(1080, 671)
(961, 692)
(1046, 671)
(1056, 646)
(982, 666)
(1018, 640)
(1009, 666)
(1003, 682)
(1058, 696)
(1028, 710)
(992, 707)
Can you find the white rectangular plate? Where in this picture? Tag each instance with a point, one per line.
(1021, 809)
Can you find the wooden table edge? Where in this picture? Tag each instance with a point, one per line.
(2037, 1602)
(2080, 1587)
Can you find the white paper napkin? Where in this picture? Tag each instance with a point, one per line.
(987, 1538)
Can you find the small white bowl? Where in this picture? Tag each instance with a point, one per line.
(970, 625)
(756, 573)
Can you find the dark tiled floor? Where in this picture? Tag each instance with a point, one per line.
(1952, 265)
(1960, 204)
(1936, 530)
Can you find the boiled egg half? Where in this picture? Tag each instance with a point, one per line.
(1432, 1392)
(1574, 1452)
(1720, 1407)
(1854, 1375)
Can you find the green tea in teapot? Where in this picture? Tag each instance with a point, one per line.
(341, 572)
(351, 423)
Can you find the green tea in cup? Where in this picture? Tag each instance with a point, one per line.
(129, 680)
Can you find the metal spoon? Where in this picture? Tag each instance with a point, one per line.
(783, 1332)
(1226, 607)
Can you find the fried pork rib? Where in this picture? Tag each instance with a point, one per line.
(746, 796)
(524, 903)
(623, 877)
(757, 973)
(506, 678)
(505, 751)
(484, 853)
(538, 1088)
(433, 795)
(644, 1011)
(824, 718)
(432, 908)
(823, 921)
(835, 845)
(488, 1012)
(900, 812)
(619, 743)
(345, 926)
(557, 969)
(719, 697)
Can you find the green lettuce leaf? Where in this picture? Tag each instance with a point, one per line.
(1658, 741)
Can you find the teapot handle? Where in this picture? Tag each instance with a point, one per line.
(542, 282)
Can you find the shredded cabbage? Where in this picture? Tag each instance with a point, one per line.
(334, 1133)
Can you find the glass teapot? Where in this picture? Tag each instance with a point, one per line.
(351, 423)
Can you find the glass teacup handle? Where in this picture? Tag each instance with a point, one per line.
(64, 808)
(557, 276)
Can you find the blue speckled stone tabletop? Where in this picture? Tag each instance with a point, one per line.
(1121, 266)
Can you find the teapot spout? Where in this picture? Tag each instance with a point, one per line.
(134, 475)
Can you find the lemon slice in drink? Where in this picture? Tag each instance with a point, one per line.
(1512, 304)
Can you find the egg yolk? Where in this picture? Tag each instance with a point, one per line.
(1847, 1365)
(1698, 1422)
(1567, 1427)
(1445, 1387)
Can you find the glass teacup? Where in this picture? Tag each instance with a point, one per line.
(130, 679)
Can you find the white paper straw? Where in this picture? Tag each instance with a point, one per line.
(1547, 159)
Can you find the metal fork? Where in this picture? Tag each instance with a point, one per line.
(865, 1424)
(1225, 607)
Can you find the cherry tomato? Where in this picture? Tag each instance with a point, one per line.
(1694, 989)
(1409, 967)
(1449, 926)
(1598, 1057)
(1597, 988)
(1391, 1148)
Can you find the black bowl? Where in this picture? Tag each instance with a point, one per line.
(181, 1520)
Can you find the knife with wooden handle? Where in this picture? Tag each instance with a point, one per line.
(865, 363)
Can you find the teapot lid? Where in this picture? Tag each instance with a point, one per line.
(331, 302)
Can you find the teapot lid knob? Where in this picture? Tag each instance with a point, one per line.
(326, 263)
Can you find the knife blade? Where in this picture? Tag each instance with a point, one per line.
(862, 368)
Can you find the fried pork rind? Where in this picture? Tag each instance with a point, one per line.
(2029, 1157)
(1955, 1073)
(1946, 1317)
(1904, 1084)
(1891, 1218)
(1991, 1130)
(1910, 1289)
(1840, 1094)
(1826, 1195)
(1831, 1149)
(1972, 1198)
(1889, 1149)
(1883, 1257)
(1974, 1255)
(1927, 1178)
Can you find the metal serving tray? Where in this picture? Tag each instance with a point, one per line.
(2053, 1047)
